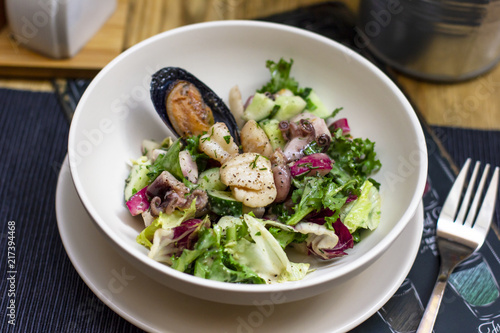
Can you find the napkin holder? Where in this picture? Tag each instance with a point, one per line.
(56, 28)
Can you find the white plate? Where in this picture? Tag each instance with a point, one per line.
(115, 115)
(153, 307)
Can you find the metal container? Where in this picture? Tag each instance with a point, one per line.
(3, 19)
(439, 40)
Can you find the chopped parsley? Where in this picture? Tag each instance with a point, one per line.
(192, 146)
(274, 110)
(253, 164)
(334, 112)
(281, 79)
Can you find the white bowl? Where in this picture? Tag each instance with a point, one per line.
(115, 114)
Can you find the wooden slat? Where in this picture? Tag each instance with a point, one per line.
(150, 17)
(33, 85)
(471, 104)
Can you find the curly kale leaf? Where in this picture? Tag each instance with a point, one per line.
(355, 157)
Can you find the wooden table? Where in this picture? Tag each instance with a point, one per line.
(471, 104)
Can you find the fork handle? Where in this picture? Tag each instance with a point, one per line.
(432, 309)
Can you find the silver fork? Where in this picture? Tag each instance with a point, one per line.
(460, 235)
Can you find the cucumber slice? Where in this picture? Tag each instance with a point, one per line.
(223, 203)
(273, 132)
(320, 110)
(137, 180)
(260, 107)
(290, 106)
(210, 180)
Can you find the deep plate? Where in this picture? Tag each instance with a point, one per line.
(115, 114)
(134, 295)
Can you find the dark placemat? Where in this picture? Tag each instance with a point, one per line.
(40, 290)
(48, 294)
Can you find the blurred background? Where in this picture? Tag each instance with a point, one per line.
(459, 101)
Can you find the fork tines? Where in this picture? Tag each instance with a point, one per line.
(468, 213)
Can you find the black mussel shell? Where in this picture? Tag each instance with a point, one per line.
(164, 80)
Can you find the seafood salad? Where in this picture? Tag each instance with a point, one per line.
(243, 185)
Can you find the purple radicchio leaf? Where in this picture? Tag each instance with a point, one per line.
(345, 242)
(325, 243)
(171, 242)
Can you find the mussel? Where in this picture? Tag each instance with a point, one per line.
(187, 105)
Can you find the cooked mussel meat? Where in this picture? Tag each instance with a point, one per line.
(186, 105)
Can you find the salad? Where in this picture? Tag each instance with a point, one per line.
(231, 208)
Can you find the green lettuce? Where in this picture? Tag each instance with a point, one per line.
(354, 160)
(165, 221)
(168, 161)
(365, 211)
(240, 251)
(263, 254)
(313, 194)
(208, 260)
(192, 146)
(353, 157)
(285, 237)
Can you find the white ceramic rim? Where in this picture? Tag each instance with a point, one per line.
(241, 288)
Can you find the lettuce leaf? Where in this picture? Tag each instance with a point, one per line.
(192, 146)
(365, 211)
(165, 221)
(285, 237)
(168, 161)
(263, 254)
(355, 157)
(313, 194)
(172, 241)
(326, 243)
(209, 260)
